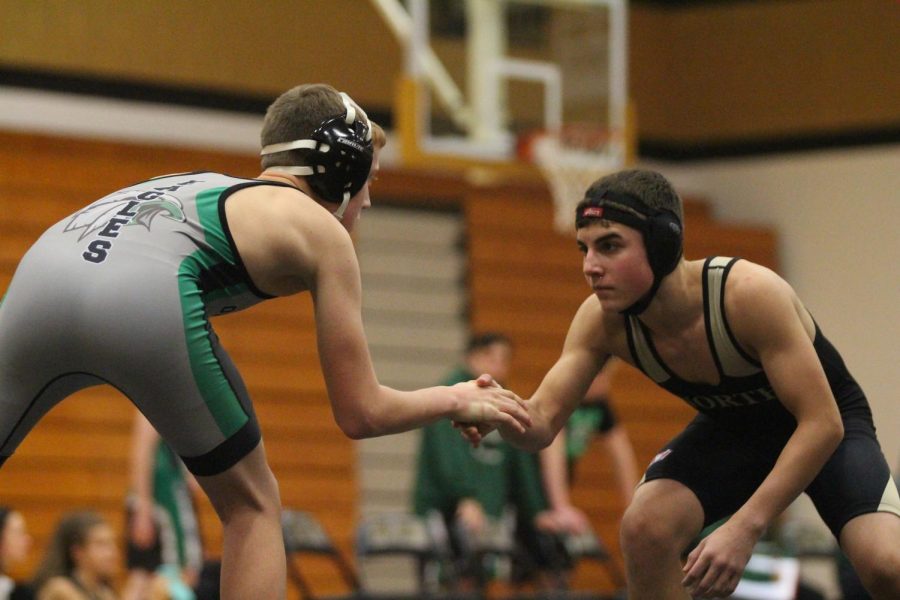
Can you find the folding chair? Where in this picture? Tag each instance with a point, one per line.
(497, 539)
(492, 549)
(403, 534)
(561, 553)
(303, 534)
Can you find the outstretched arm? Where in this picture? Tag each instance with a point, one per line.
(565, 384)
(289, 243)
(362, 406)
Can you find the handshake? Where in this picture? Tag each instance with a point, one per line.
(484, 405)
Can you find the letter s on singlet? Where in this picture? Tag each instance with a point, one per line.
(97, 251)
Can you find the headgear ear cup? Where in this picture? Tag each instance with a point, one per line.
(665, 241)
(343, 159)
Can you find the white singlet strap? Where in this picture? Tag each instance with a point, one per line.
(644, 354)
(733, 360)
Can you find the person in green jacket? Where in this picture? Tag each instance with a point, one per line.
(469, 486)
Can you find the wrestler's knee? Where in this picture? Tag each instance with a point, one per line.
(881, 574)
(247, 487)
(645, 537)
(659, 524)
(870, 541)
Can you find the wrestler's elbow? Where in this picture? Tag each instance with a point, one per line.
(830, 430)
(357, 425)
(836, 431)
(534, 440)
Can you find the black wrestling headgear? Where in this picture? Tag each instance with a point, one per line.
(661, 230)
(338, 155)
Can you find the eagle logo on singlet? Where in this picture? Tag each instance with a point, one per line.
(137, 212)
(106, 219)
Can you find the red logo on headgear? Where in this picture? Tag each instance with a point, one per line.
(592, 211)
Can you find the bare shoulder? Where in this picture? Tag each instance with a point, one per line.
(594, 329)
(590, 316)
(274, 206)
(281, 235)
(749, 284)
(761, 305)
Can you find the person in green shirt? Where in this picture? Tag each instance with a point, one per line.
(470, 486)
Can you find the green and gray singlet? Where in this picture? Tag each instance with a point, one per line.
(120, 293)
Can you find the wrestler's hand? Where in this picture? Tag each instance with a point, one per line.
(486, 406)
(713, 569)
(487, 380)
(474, 434)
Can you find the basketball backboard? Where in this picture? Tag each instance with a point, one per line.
(482, 76)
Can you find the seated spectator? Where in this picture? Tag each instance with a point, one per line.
(14, 546)
(470, 487)
(81, 560)
(467, 486)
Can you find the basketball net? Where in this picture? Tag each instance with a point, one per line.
(570, 161)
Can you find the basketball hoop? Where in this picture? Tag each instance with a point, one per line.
(571, 159)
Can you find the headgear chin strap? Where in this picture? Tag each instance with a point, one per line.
(338, 156)
(661, 230)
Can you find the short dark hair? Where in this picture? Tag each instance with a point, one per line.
(486, 339)
(649, 187)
